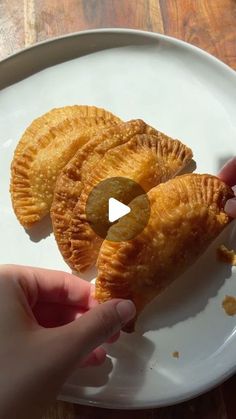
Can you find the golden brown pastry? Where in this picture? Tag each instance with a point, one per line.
(146, 159)
(45, 148)
(52, 119)
(187, 213)
(73, 176)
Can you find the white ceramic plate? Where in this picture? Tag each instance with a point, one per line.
(188, 94)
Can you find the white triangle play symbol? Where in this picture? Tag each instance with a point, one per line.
(116, 209)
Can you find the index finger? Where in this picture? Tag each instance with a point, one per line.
(228, 172)
(53, 286)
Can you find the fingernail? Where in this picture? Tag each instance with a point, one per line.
(126, 310)
(230, 207)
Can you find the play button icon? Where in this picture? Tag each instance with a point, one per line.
(117, 209)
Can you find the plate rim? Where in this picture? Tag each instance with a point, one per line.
(115, 31)
(201, 388)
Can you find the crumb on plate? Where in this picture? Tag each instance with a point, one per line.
(175, 354)
(225, 255)
(229, 305)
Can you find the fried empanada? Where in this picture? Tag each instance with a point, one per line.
(146, 159)
(187, 213)
(73, 176)
(45, 148)
(52, 119)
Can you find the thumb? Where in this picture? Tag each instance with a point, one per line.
(77, 339)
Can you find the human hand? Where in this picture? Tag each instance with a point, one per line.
(49, 324)
(228, 175)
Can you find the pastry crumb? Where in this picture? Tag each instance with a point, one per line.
(229, 305)
(225, 255)
(175, 354)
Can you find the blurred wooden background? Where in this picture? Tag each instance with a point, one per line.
(209, 24)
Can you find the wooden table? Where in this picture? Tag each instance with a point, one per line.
(209, 24)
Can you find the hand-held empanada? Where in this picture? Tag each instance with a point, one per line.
(187, 213)
(71, 179)
(147, 160)
(44, 149)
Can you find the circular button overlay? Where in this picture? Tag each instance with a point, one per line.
(122, 192)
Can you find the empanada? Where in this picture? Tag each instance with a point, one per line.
(73, 176)
(145, 159)
(52, 119)
(45, 148)
(187, 213)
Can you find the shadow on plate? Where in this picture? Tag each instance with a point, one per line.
(130, 354)
(41, 230)
(116, 372)
(190, 293)
(59, 50)
(91, 376)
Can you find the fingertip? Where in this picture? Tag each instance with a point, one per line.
(95, 358)
(230, 207)
(100, 356)
(228, 172)
(126, 311)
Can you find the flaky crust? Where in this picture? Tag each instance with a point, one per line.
(187, 213)
(55, 118)
(71, 180)
(44, 149)
(146, 159)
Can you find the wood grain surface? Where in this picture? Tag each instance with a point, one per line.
(209, 24)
